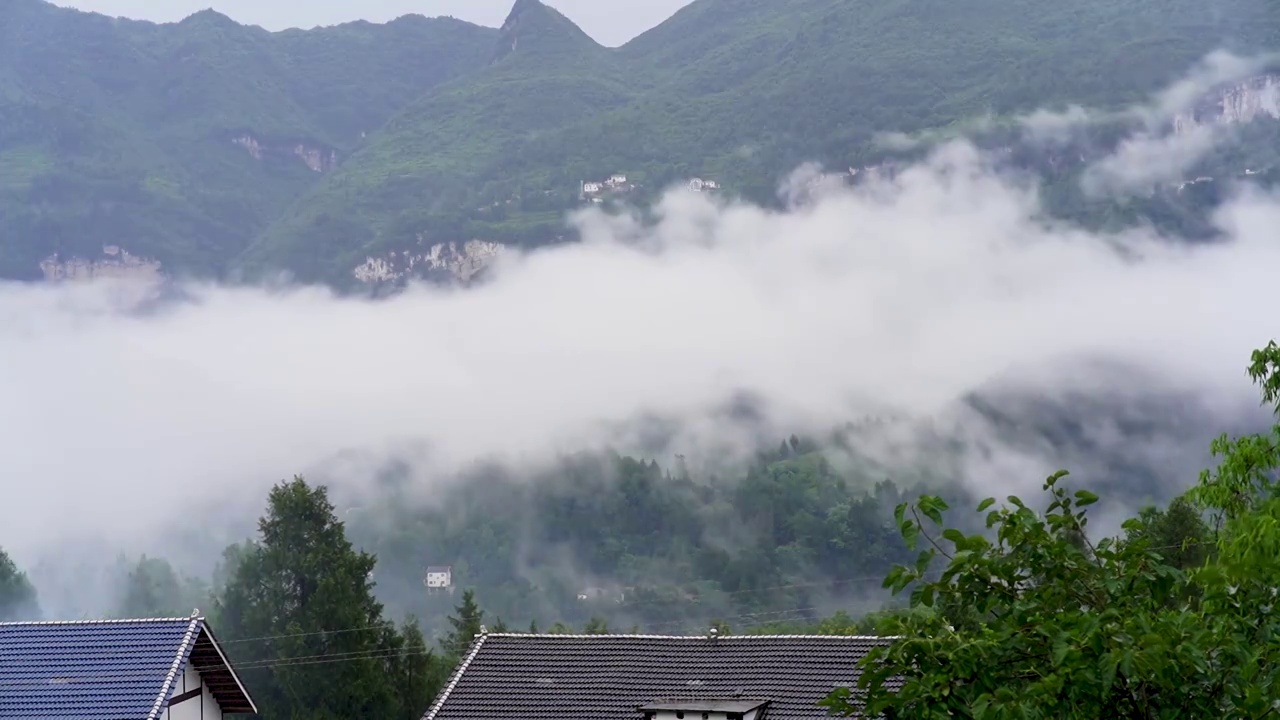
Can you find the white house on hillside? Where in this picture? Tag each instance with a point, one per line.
(439, 577)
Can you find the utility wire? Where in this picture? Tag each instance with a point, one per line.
(374, 653)
(754, 620)
(640, 603)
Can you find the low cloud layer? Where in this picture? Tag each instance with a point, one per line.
(898, 296)
(1166, 149)
(905, 295)
(1166, 142)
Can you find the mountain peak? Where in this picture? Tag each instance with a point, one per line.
(210, 17)
(521, 7)
(533, 27)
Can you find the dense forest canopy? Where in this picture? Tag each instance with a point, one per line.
(795, 532)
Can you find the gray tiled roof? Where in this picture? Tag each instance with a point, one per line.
(106, 670)
(603, 677)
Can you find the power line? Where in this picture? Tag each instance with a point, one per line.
(380, 653)
(641, 603)
(263, 638)
(670, 623)
(389, 653)
(755, 620)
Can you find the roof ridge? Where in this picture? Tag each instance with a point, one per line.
(455, 678)
(718, 638)
(107, 621)
(179, 661)
(693, 667)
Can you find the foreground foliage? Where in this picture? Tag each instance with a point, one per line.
(1033, 620)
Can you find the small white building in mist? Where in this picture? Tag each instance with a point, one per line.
(599, 593)
(439, 577)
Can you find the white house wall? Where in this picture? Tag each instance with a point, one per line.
(203, 708)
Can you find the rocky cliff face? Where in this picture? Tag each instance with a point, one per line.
(320, 160)
(114, 262)
(510, 30)
(448, 260)
(1242, 102)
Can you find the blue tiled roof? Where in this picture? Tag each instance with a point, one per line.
(105, 670)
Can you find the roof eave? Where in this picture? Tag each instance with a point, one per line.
(213, 640)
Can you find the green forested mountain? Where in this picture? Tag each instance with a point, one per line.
(182, 142)
(220, 149)
(737, 90)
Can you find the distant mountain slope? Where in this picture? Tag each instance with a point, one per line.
(361, 153)
(739, 90)
(439, 155)
(180, 142)
(818, 78)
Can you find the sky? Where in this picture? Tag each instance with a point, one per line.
(897, 297)
(610, 22)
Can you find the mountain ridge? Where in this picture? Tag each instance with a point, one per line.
(736, 90)
(224, 150)
(149, 136)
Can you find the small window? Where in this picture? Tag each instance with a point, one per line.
(679, 715)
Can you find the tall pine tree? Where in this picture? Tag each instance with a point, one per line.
(316, 644)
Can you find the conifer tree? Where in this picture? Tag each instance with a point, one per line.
(17, 596)
(302, 594)
(466, 625)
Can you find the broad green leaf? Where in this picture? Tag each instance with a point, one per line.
(1084, 497)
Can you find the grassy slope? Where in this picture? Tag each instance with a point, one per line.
(742, 90)
(119, 131)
